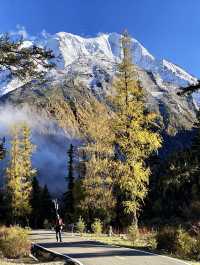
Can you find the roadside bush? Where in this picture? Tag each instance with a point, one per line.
(166, 239)
(97, 227)
(184, 243)
(14, 242)
(132, 233)
(196, 249)
(176, 241)
(151, 241)
(80, 225)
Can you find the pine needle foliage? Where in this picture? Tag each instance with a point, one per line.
(23, 61)
(69, 194)
(135, 138)
(20, 173)
(28, 172)
(98, 181)
(14, 176)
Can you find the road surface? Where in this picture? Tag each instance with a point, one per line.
(88, 252)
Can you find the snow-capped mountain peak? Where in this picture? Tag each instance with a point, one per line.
(71, 47)
(100, 50)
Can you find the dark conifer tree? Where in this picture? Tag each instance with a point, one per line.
(177, 189)
(4, 207)
(2, 148)
(69, 194)
(41, 204)
(196, 141)
(35, 203)
(47, 207)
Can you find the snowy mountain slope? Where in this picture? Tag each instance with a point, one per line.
(101, 50)
(107, 46)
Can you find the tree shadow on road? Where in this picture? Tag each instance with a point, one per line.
(106, 251)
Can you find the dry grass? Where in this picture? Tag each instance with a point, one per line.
(141, 242)
(14, 242)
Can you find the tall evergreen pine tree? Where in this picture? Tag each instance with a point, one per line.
(47, 206)
(13, 182)
(135, 140)
(35, 202)
(97, 184)
(20, 173)
(69, 194)
(27, 171)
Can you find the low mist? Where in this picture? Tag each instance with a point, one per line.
(52, 144)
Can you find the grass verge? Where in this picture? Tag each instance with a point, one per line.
(144, 242)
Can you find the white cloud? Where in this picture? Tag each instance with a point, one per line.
(20, 30)
(44, 33)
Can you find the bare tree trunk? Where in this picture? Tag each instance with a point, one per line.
(135, 219)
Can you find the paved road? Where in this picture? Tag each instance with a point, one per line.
(89, 252)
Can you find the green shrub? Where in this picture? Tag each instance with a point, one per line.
(80, 225)
(151, 241)
(184, 243)
(196, 249)
(14, 242)
(132, 233)
(97, 227)
(176, 241)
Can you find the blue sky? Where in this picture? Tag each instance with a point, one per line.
(168, 28)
